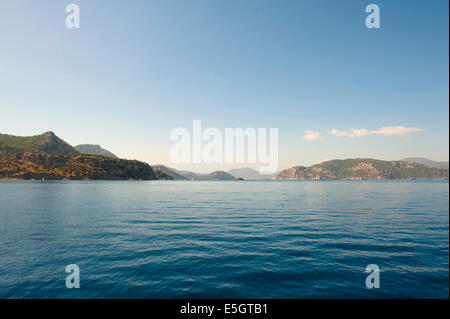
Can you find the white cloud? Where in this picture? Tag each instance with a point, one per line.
(336, 132)
(310, 135)
(385, 130)
(359, 132)
(397, 130)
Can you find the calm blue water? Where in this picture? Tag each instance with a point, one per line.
(269, 239)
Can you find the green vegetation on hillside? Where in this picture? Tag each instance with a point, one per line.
(47, 143)
(29, 165)
(364, 169)
(47, 156)
(93, 149)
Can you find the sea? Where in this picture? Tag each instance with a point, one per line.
(224, 239)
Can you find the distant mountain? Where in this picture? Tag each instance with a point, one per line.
(217, 175)
(49, 157)
(48, 143)
(358, 169)
(426, 161)
(249, 173)
(187, 175)
(94, 149)
(162, 175)
(169, 171)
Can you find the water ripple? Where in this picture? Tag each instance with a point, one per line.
(236, 239)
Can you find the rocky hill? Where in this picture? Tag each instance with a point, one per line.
(47, 156)
(40, 165)
(93, 149)
(359, 169)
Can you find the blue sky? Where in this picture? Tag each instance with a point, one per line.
(136, 70)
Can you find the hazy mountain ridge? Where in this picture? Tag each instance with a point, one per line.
(175, 174)
(94, 149)
(217, 175)
(187, 175)
(359, 169)
(249, 173)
